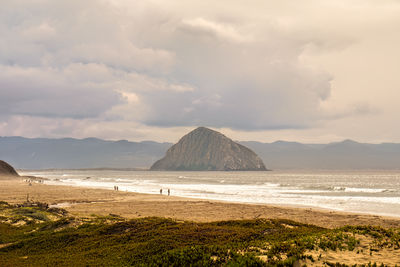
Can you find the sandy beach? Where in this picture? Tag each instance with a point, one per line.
(83, 202)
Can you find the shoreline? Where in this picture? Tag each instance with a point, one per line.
(278, 205)
(230, 201)
(333, 191)
(85, 202)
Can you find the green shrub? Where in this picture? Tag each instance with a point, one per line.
(165, 242)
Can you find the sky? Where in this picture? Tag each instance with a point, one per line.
(312, 71)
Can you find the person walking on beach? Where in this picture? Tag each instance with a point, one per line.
(169, 191)
(161, 191)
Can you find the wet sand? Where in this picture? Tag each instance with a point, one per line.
(84, 202)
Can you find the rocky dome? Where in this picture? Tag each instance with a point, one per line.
(6, 169)
(204, 149)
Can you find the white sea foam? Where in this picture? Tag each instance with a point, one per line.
(365, 190)
(272, 184)
(377, 193)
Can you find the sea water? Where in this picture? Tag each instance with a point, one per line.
(372, 192)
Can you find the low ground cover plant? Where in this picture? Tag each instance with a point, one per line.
(39, 236)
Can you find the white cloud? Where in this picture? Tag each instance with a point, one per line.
(259, 66)
(199, 26)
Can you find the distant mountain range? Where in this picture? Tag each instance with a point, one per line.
(345, 155)
(69, 153)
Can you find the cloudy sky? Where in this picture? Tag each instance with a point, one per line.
(310, 70)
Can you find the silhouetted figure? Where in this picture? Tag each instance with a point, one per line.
(161, 191)
(169, 191)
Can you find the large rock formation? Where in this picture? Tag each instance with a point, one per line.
(207, 150)
(6, 169)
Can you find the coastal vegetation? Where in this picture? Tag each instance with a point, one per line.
(35, 235)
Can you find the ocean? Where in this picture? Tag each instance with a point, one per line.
(371, 192)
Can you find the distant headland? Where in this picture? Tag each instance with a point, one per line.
(6, 169)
